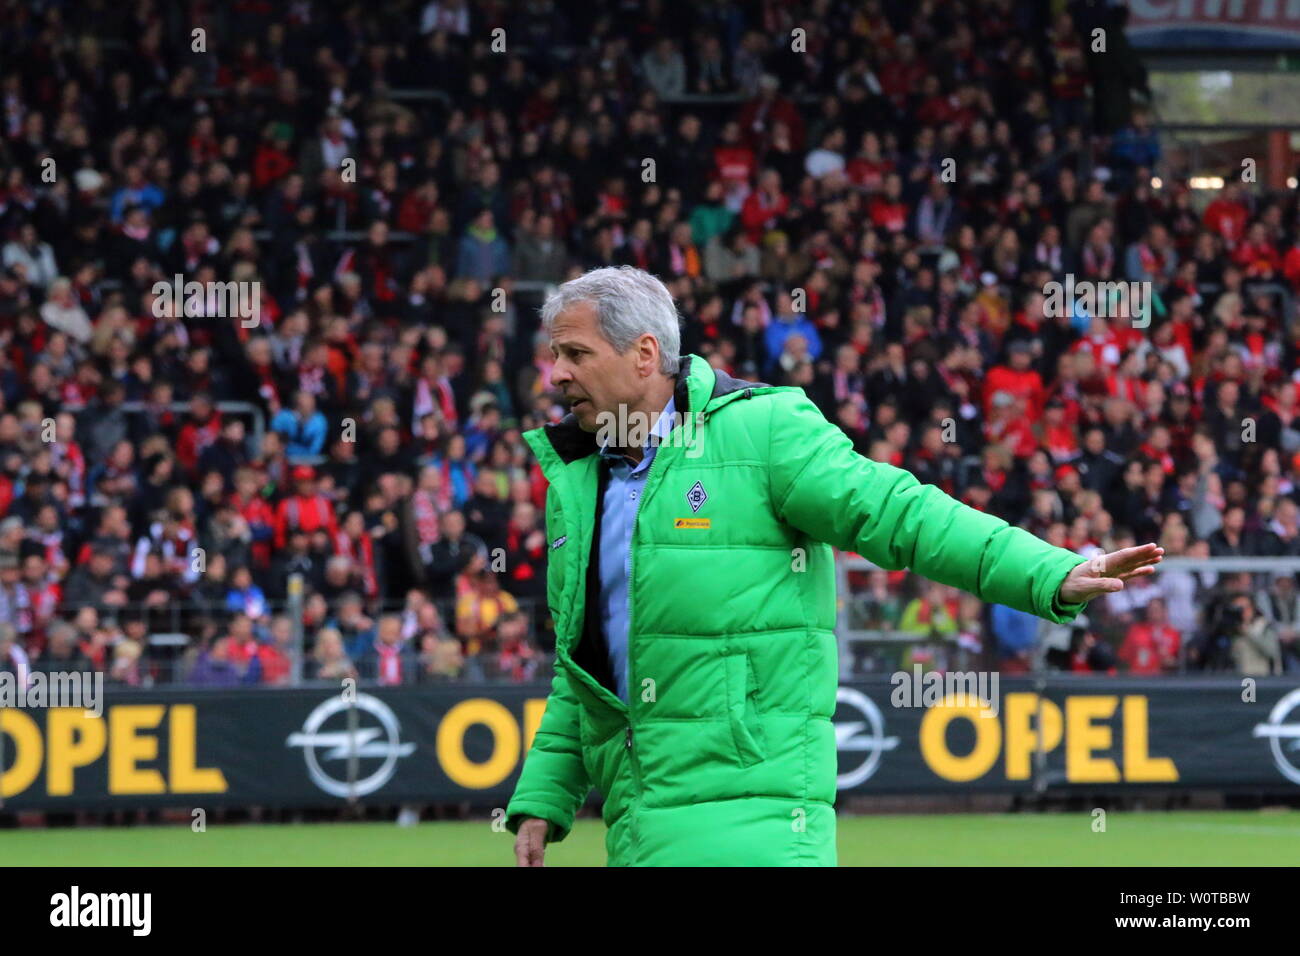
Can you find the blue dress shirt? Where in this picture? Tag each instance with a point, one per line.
(618, 516)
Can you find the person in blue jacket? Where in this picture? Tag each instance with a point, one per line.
(302, 426)
(785, 323)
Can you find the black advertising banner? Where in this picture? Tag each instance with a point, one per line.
(301, 747)
(1068, 733)
(313, 747)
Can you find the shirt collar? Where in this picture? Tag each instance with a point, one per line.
(659, 432)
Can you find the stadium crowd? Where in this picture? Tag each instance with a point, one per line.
(872, 214)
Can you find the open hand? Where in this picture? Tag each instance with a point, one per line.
(1106, 573)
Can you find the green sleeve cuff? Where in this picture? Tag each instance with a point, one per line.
(1063, 613)
(555, 831)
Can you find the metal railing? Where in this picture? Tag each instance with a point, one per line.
(866, 646)
(177, 631)
(868, 640)
(226, 408)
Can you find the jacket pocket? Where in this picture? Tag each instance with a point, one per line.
(590, 744)
(742, 709)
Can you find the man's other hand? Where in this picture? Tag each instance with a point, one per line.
(530, 842)
(1108, 572)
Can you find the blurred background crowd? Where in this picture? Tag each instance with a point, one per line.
(863, 199)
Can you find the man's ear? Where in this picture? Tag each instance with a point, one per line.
(647, 359)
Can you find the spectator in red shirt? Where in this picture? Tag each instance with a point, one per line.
(256, 512)
(1019, 379)
(277, 656)
(901, 75)
(758, 115)
(867, 170)
(202, 429)
(1059, 437)
(1008, 424)
(765, 206)
(417, 207)
(1257, 256)
(888, 211)
(246, 652)
(1227, 215)
(1102, 344)
(305, 510)
(271, 161)
(1151, 646)
(733, 160)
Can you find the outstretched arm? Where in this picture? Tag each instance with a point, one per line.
(824, 488)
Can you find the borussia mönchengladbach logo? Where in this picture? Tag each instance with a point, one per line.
(696, 497)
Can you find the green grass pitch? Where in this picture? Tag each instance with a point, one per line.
(1050, 839)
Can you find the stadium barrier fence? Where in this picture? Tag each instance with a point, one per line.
(438, 743)
(874, 635)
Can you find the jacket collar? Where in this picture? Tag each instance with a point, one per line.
(698, 383)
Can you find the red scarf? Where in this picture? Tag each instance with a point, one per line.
(363, 553)
(436, 394)
(427, 511)
(35, 607)
(390, 663)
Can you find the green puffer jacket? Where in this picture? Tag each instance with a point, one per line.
(726, 754)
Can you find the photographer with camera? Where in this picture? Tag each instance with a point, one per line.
(1256, 650)
(1280, 604)
(1240, 639)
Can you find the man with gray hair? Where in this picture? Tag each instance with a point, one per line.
(692, 586)
(62, 652)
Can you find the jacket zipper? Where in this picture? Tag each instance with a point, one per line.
(576, 620)
(596, 687)
(631, 686)
(631, 609)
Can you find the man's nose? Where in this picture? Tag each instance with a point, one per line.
(560, 374)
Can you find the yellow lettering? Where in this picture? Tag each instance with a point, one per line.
(934, 742)
(1084, 737)
(1023, 730)
(127, 747)
(75, 740)
(534, 708)
(1139, 766)
(182, 744)
(26, 766)
(451, 743)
